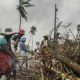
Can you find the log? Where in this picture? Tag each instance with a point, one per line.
(73, 65)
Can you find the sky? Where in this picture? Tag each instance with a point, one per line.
(41, 16)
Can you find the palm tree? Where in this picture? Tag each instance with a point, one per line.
(32, 32)
(21, 9)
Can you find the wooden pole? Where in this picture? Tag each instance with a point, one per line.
(20, 21)
(55, 29)
(32, 42)
(42, 73)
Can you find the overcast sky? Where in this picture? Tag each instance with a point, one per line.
(41, 15)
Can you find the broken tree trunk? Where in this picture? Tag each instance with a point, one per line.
(73, 65)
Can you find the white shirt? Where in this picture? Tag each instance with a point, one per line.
(45, 43)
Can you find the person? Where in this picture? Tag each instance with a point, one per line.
(7, 36)
(44, 50)
(44, 46)
(22, 45)
(8, 60)
(5, 57)
(15, 40)
(44, 42)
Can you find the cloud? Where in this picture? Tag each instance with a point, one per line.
(70, 11)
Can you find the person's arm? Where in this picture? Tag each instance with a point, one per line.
(2, 34)
(16, 43)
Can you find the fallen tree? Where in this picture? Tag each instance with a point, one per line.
(73, 65)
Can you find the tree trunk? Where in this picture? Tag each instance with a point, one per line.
(20, 21)
(32, 42)
(73, 65)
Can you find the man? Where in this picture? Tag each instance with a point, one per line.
(16, 38)
(22, 45)
(5, 56)
(44, 47)
(7, 36)
(45, 51)
(44, 42)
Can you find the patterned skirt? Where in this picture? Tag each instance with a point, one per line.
(4, 62)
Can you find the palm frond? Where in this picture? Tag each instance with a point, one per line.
(21, 7)
(28, 0)
(25, 3)
(33, 30)
(20, 1)
(22, 12)
(59, 24)
(29, 5)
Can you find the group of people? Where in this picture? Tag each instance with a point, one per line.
(8, 46)
(8, 59)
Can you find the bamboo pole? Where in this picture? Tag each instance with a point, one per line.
(42, 73)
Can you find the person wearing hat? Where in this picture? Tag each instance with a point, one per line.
(44, 50)
(44, 42)
(44, 45)
(7, 36)
(5, 52)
